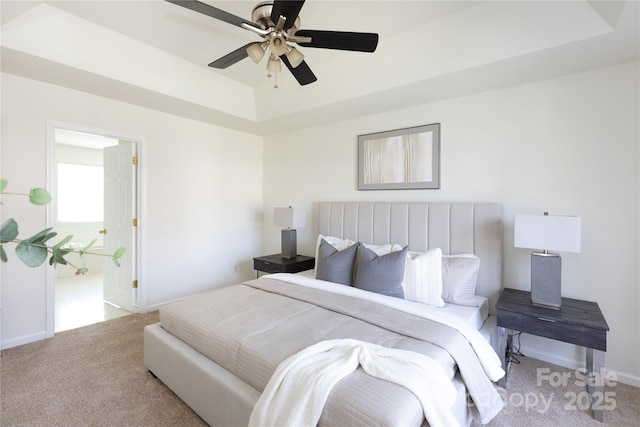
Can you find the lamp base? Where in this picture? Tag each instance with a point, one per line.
(289, 244)
(546, 279)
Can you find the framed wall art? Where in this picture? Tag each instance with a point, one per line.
(400, 159)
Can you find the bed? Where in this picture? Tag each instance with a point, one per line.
(219, 350)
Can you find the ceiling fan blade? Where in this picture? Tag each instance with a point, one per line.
(213, 12)
(288, 9)
(232, 57)
(341, 40)
(302, 72)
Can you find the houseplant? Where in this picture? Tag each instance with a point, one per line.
(33, 251)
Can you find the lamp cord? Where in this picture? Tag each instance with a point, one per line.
(515, 350)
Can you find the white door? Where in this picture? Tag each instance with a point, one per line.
(119, 214)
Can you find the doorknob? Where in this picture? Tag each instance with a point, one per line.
(103, 231)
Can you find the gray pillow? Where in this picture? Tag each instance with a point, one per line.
(334, 265)
(381, 274)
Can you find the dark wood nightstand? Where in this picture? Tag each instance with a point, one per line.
(576, 322)
(277, 264)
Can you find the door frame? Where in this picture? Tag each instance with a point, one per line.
(140, 270)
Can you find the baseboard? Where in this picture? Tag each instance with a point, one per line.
(26, 339)
(574, 363)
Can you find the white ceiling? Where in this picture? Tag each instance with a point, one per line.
(82, 139)
(155, 54)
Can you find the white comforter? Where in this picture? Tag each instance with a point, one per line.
(298, 389)
(488, 358)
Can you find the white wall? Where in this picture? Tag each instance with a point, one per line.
(567, 146)
(203, 192)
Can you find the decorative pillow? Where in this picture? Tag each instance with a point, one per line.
(336, 266)
(459, 279)
(382, 249)
(423, 277)
(336, 242)
(380, 274)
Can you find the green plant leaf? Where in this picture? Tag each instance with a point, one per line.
(118, 254)
(33, 251)
(62, 242)
(31, 256)
(81, 271)
(8, 231)
(86, 248)
(3, 254)
(57, 256)
(39, 196)
(3, 185)
(41, 237)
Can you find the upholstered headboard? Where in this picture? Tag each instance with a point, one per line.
(456, 228)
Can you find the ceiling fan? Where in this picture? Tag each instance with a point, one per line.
(278, 23)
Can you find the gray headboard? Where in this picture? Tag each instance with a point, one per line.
(456, 228)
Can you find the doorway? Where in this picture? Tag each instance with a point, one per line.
(91, 192)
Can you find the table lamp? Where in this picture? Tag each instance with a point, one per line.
(547, 233)
(290, 218)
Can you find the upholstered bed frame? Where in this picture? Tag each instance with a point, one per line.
(220, 398)
(456, 228)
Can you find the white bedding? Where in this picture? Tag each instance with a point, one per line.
(489, 359)
(473, 316)
(250, 328)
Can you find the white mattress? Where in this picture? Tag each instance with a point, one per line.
(473, 316)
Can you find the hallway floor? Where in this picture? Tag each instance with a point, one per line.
(79, 302)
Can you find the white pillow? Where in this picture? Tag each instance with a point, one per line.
(459, 279)
(336, 242)
(381, 250)
(423, 277)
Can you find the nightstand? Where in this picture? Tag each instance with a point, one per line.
(277, 264)
(577, 322)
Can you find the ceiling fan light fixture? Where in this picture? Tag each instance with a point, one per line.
(278, 45)
(256, 52)
(273, 65)
(294, 56)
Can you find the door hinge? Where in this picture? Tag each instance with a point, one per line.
(135, 160)
(135, 222)
(134, 284)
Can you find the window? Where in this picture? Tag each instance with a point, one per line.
(80, 196)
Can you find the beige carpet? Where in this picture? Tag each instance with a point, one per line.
(94, 376)
(552, 403)
(91, 376)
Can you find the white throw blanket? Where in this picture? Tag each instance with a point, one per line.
(298, 389)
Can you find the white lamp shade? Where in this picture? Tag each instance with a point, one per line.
(295, 57)
(547, 232)
(274, 65)
(255, 52)
(289, 217)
